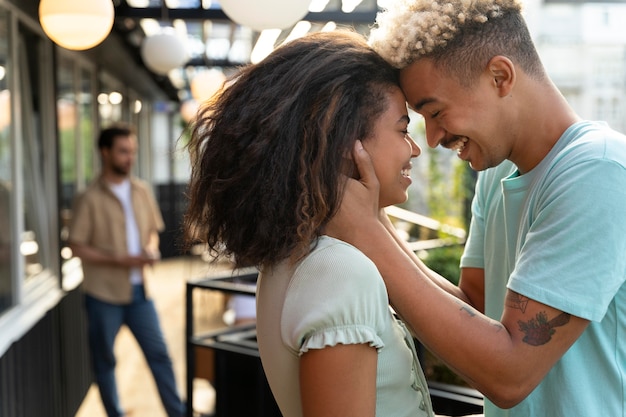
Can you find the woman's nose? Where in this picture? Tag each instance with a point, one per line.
(415, 148)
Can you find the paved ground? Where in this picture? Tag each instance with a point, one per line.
(137, 389)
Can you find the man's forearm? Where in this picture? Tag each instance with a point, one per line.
(478, 348)
(440, 281)
(93, 255)
(96, 256)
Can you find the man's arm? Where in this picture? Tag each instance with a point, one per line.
(93, 255)
(152, 247)
(504, 360)
(440, 281)
(472, 285)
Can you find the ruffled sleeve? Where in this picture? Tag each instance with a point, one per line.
(336, 296)
(342, 335)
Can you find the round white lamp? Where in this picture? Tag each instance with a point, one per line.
(76, 24)
(266, 14)
(206, 84)
(164, 51)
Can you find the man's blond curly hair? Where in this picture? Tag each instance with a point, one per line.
(461, 36)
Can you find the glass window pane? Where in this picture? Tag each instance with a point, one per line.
(110, 101)
(5, 169)
(75, 112)
(66, 122)
(36, 239)
(86, 105)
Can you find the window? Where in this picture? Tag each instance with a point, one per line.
(67, 122)
(75, 103)
(6, 166)
(37, 139)
(29, 242)
(111, 101)
(87, 122)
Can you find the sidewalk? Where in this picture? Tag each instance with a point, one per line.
(137, 390)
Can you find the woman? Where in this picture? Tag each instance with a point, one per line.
(270, 158)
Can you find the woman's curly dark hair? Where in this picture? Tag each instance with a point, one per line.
(268, 153)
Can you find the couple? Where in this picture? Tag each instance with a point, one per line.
(293, 162)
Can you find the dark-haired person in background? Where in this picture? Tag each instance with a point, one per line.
(115, 232)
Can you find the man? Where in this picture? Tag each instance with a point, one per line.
(114, 230)
(546, 253)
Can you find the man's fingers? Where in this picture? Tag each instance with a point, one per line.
(365, 167)
(369, 185)
(360, 199)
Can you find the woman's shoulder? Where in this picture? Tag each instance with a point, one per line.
(335, 264)
(338, 255)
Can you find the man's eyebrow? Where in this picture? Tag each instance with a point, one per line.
(423, 102)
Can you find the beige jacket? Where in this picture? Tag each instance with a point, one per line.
(98, 221)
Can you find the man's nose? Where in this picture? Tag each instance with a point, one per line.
(434, 134)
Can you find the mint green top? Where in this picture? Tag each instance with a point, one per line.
(557, 235)
(335, 295)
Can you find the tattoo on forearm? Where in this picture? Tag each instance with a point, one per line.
(539, 331)
(517, 301)
(470, 311)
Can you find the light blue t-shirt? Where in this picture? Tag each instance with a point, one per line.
(335, 295)
(557, 235)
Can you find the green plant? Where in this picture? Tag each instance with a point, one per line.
(445, 261)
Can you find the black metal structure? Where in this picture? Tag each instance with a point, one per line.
(128, 18)
(47, 372)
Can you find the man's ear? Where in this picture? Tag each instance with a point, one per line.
(502, 71)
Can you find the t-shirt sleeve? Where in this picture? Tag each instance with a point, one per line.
(573, 258)
(487, 187)
(473, 252)
(336, 296)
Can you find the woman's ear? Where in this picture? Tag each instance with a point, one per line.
(502, 71)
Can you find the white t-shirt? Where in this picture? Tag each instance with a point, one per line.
(123, 193)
